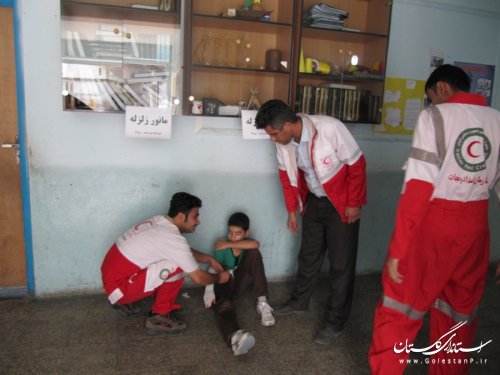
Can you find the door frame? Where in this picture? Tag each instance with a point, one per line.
(21, 124)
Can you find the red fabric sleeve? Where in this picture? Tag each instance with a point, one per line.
(288, 191)
(356, 183)
(412, 207)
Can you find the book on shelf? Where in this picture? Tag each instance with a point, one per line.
(114, 95)
(134, 95)
(142, 6)
(109, 36)
(163, 47)
(79, 45)
(160, 74)
(133, 44)
(324, 16)
(349, 105)
(70, 50)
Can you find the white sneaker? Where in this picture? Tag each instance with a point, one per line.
(265, 312)
(242, 341)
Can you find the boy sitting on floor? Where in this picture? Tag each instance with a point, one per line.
(240, 256)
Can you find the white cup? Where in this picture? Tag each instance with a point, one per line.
(197, 107)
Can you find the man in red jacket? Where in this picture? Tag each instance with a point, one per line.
(322, 172)
(439, 251)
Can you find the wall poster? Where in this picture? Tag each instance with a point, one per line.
(403, 101)
(481, 78)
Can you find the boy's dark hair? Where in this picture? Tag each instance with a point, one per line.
(183, 203)
(275, 113)
(451, 74)
(239, 219)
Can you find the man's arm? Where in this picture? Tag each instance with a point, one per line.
(415, 199)
(207, 259)
(202, 277)
(242, 244)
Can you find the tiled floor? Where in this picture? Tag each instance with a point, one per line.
(83, 335)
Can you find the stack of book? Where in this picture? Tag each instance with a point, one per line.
(344, 102)
(325, 17)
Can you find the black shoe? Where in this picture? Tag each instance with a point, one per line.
(157, 324)
(128, 309)
(289, 308)
(327, 335)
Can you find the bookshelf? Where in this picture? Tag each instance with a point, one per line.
(352, 93)
(225, 53)
(116, 54)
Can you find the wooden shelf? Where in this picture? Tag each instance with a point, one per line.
(77, 9)
(232, 23)
(237, 70)
(346, 36)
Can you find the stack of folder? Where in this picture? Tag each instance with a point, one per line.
(325, 17)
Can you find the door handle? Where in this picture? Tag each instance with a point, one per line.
(14, 145)
(11, 145)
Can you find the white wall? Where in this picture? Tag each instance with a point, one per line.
(467, 31)
(89, 183)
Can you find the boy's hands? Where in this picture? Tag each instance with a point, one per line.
(222, 244)
(224, 277)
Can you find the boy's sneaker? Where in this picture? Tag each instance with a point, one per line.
(164, 323)
(241, 342)
(265, 312)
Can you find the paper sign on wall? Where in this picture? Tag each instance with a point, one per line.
(147, 122)
(403, 101)
(248, 126)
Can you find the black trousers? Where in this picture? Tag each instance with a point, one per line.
(251, 267)
(322, 231)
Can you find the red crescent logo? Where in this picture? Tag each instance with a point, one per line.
(469, 149)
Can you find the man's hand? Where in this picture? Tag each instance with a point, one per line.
(224, 277)
(217, 267)
(292, 222)
(392, 270)
(352, 214)
(497, 274)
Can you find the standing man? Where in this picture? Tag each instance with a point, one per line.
(323, 175)
(439, 251)
(152, 258)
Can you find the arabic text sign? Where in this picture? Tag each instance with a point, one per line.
(248, 126)
(147, 122)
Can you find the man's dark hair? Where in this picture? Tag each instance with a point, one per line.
(239, 219)
(183, 203)
(451, 74)
(275, 113)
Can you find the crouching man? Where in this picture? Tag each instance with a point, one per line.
(152, 258)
